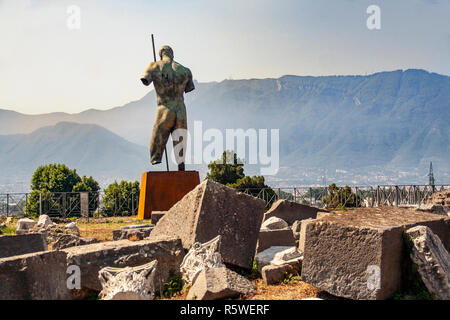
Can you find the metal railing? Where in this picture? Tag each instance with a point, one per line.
(76, 204)
(69, 204)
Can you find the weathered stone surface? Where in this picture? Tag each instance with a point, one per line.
(219, 283)
(44, 221)
(273, 274)
(212, 209)
(132, 233)
(322, 214)
(25, 224)
(34, 276)
(440, 198)
(123, 253)
(130, 283)
(72, 227)
(199, 257)
(433, 261)
(274, 223)
(291, 211)
(435, 208)
(278, 256)
(344, 253)
(296, 227)
(69, 240)
(303, 224)
(271, 238)
(137, 226)
(157, 215)
(22, 244)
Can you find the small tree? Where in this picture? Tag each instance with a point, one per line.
(232, 175)
(339, 197)
(121, 198)
(223, 172)
(51, 178)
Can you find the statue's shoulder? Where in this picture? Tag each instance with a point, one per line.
(178, 67)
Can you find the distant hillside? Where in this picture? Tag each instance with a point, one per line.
(389, 120)
(91, 149)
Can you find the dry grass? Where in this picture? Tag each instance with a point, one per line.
(294, 290)
(102, 228)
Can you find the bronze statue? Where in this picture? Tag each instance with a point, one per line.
(171, 81)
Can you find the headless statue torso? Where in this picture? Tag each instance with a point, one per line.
(171, 81)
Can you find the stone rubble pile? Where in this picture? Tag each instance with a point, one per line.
(214, 232)
(432, 259)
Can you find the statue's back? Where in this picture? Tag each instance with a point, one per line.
(170, 78)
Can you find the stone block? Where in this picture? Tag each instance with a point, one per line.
(291, 211)
(156, 216)
(22, 244)
(271, 238)
(357, 254)
(303, 224)
(273, 274)
(135, 233)
(212, 209)
(433, 261)
(219, 283)
(123, 253)
(278, 256)
(34, 276)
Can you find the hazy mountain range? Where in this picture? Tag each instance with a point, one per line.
(368, 127)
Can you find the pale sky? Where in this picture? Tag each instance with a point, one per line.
(46, 67)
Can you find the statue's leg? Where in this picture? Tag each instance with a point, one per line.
(165, 120)
(180, 138)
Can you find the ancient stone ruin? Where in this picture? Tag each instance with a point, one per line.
(215, 236)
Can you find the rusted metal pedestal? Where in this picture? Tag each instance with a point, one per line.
(160, 190)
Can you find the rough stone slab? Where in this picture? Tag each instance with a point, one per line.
(212, 209)
(271, 238)
(296, 227)
(22, 244)
(322, 214)
(123, 253)
(44, 221)
(219, 283)
(25, 224)
(137, 226)
(273, 274)
(126, 234)
(278, 256)
(303, 224)
(344, 252)
(434, 208)
(156, 216)
(69, 240)
(433, 261)
(274, 223)
(130, 283)
(34, 276)
(291, 211)
(440, 198)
